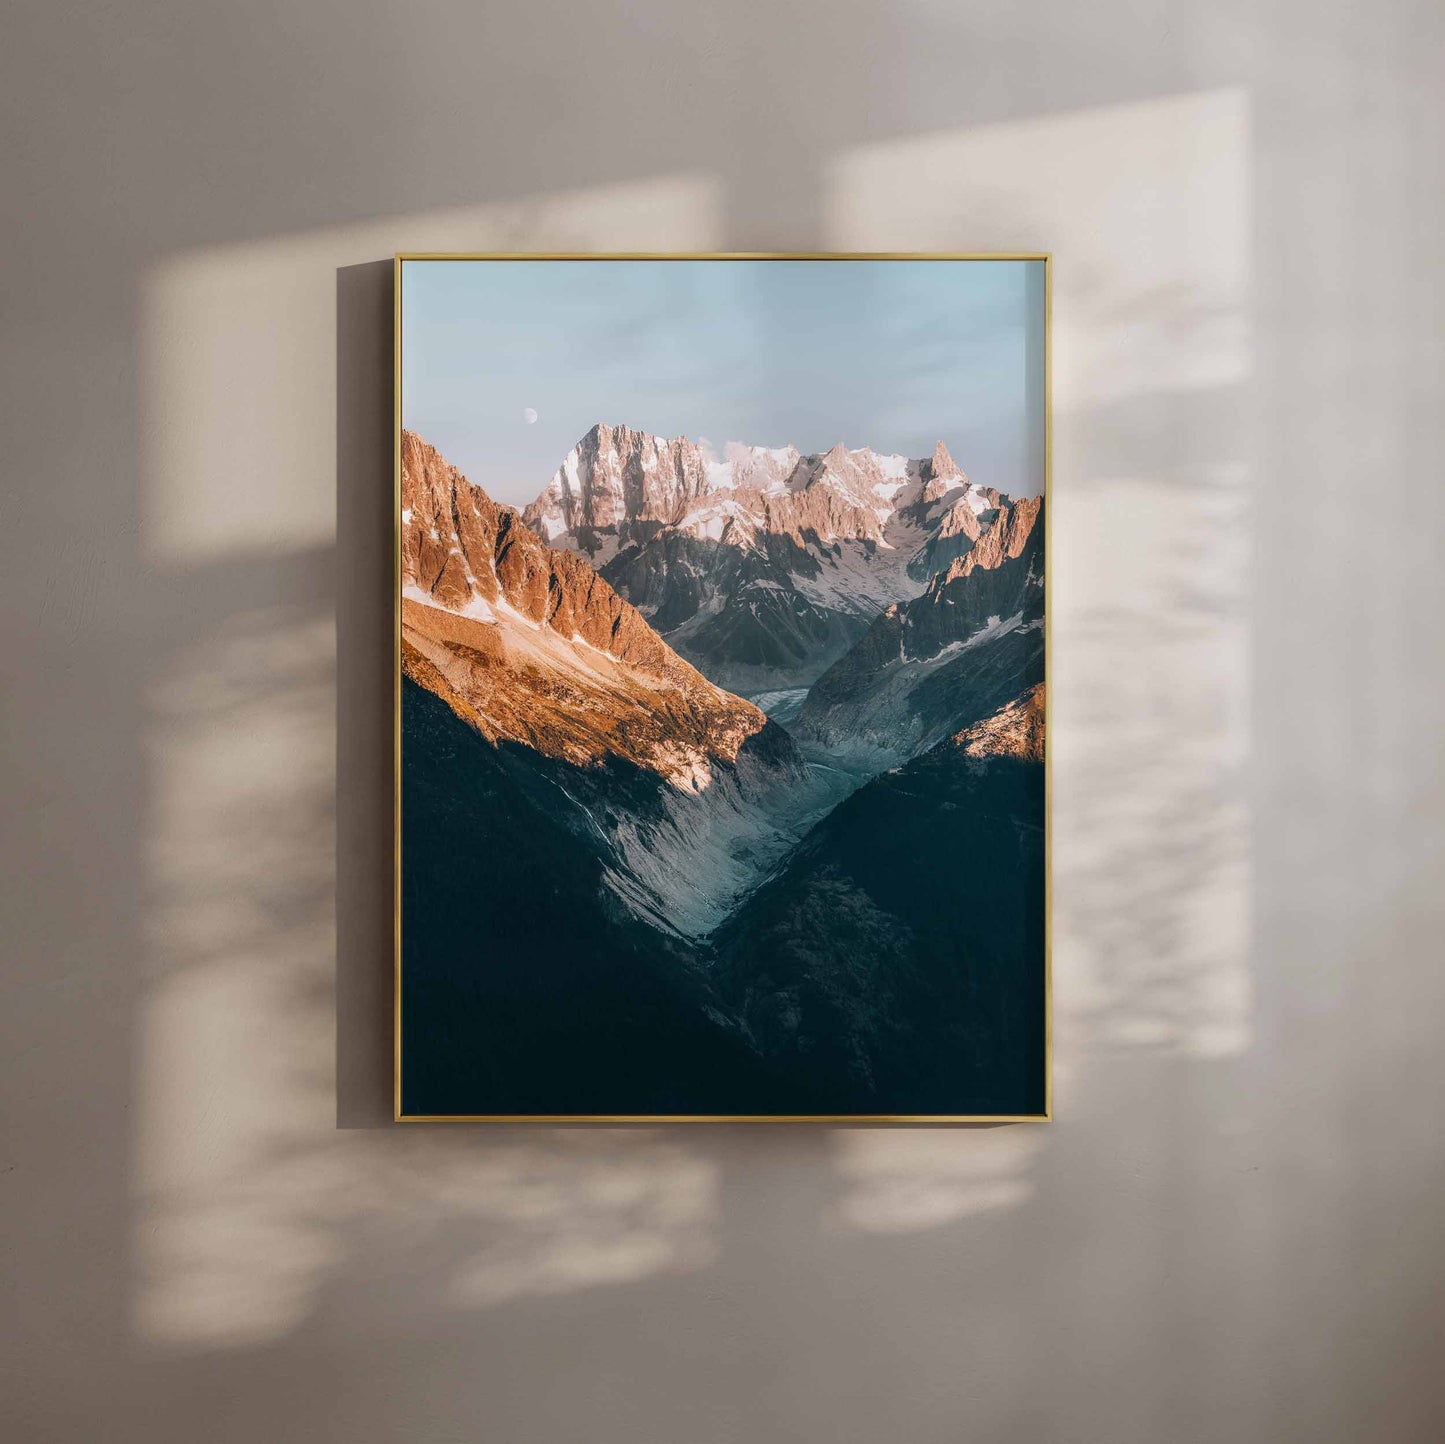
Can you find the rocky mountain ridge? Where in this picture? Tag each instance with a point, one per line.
(531, 645)
(968, 643)
(764, 566)
(1015, 730)
(687, 793)
(911, 970)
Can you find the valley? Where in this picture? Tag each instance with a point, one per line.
(722, 716)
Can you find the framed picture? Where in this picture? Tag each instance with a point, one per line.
(721, 650)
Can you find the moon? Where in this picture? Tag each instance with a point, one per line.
(529, 415)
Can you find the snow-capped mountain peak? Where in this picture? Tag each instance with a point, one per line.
(691, 537)
(620, 478)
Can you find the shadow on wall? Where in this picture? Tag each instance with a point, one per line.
(275, 1206)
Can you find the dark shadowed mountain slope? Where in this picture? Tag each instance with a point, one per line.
(527, 987)
(900, 953)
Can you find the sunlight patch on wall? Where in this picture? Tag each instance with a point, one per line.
(1146, 210)
(234, 1042)
(600, 1207)
(1144, 206)
(239, 353)
(897, 1182)
(252, 1210)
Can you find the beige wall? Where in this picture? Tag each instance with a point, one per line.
(1231, 1232)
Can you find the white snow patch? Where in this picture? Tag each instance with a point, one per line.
(476, 608)
(710, 520)
(479, 609)
(719, 475)
(994, 627)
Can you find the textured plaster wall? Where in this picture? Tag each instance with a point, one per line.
(1230, 1233)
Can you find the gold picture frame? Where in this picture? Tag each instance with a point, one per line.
(934, 1119)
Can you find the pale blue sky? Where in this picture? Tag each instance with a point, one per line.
(895, 355)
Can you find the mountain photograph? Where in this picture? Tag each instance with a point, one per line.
(722, 768)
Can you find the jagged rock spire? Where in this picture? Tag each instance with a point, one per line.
(942, 466)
